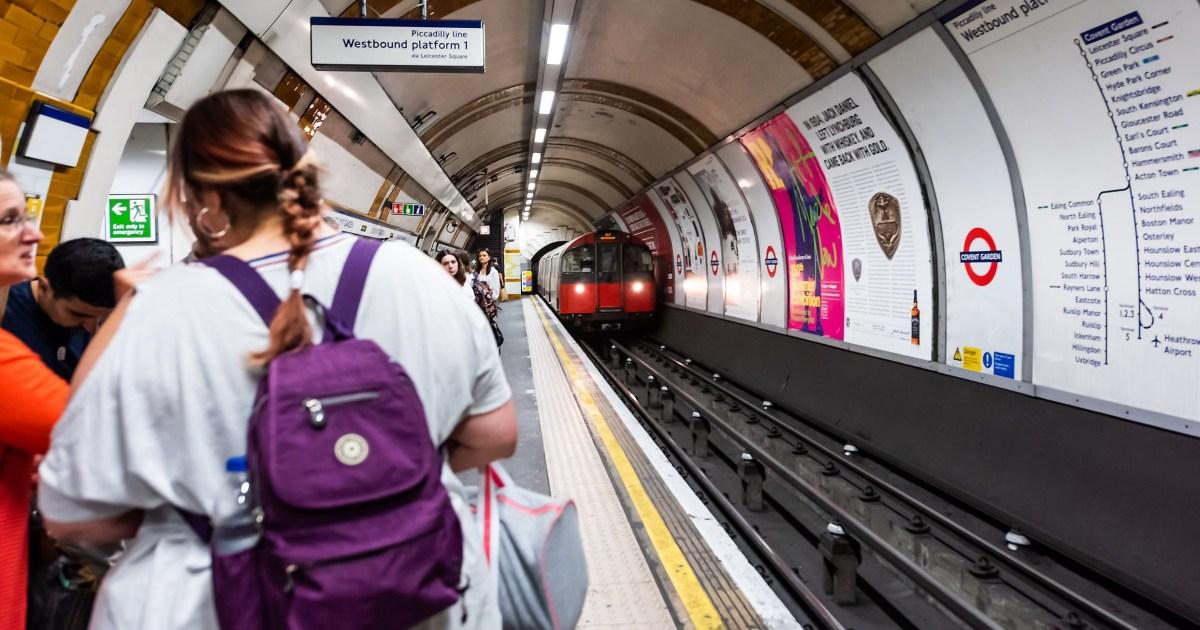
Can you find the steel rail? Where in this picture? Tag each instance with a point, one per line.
(935, 517)
(965, 612)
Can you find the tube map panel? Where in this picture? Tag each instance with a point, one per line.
(1098, 97)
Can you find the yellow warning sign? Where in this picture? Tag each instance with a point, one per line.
(972, 358)
(957, 355)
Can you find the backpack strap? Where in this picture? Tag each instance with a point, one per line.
(348, 295)
(249, 283)
(199, 523)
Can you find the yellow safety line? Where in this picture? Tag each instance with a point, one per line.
(700, 608)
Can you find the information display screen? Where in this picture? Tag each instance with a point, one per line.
(1097, 97)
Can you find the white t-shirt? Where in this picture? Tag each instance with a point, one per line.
(168, 403)
(468, 291)
(492, 279)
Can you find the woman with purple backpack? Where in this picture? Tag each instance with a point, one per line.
(289, 402)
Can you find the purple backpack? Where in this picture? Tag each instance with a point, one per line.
(357, 530)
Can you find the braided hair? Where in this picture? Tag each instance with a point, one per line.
(241, 145)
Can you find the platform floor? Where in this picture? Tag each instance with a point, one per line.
(528, 465)
(656, 557)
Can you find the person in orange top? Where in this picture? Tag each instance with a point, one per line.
(34, 398)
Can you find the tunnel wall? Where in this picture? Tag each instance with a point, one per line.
(975, 241)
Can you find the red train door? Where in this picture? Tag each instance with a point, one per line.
(608, 278)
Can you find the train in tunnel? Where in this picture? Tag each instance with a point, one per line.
(602, 280)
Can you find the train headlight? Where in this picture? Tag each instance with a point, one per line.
(579, 288)
(638, 286)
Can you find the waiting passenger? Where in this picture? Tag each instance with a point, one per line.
(452, 263)
(34, 398)
(486, 271)
(56, 313)
(152, 427)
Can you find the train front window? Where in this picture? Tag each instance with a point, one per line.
(609, 269)
(579, 260)
(637, 259)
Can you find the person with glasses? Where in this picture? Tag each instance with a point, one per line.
(34, 398)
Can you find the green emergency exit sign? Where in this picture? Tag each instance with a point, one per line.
(131, 219)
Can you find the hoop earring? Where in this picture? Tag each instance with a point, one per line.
(209, 233)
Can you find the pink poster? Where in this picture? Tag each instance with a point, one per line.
(809, 221)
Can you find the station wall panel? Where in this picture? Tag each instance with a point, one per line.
(643, 220)
(679, 268)
(984, 318)
(710, 262)
(808, 224)
(880, 248)
(771, 255)
(737, 243)
(1110, 171)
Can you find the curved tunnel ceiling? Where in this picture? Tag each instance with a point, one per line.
(647, 86)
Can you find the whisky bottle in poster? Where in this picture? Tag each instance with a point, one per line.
(916, 321)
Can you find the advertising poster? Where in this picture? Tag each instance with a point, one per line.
(1110, 165)
(735, 227)
(808, 219)
(691, 261)
(772, 265)
(645, 223)
(881, 211)
(980, 238)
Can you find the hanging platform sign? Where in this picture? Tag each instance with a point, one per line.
(379, 45)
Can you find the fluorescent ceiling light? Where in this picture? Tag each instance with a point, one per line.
(532, 185)
(539, 134)
(532, 173)
(547, 103)
(558, 43)
(537, 158)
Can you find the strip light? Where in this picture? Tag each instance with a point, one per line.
(539, 134)
(558, 43)
(547, 104)
(536, 158)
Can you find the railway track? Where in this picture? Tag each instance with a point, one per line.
(848, 541)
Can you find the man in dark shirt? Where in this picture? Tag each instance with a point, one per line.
(56, 314)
